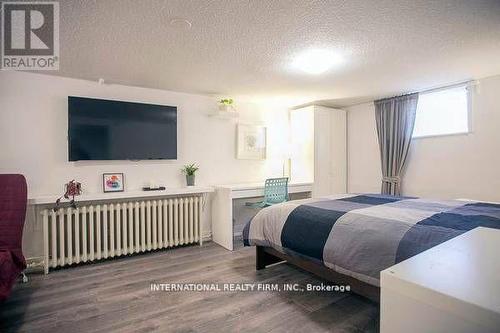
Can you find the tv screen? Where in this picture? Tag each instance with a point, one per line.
(101, 129)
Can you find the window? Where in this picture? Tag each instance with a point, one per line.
(442, 112)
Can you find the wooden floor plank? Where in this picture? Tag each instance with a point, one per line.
(115, 296)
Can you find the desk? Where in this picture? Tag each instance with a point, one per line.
(452, 287)
(222, 206)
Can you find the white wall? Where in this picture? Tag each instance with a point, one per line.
(460, 166)
(33, 136)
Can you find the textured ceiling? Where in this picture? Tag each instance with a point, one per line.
(244, 48)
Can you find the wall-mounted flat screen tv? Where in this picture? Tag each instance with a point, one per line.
(101, 129)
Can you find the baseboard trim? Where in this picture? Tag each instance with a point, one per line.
(206, 236)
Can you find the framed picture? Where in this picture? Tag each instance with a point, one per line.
(251, 142)
(113, 182)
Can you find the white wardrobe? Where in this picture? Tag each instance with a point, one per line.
(319, 141)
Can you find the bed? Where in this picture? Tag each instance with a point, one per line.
(349, 239)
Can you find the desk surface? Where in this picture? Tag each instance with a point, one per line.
(260, 185)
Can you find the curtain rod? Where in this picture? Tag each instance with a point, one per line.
(455, 85)
(430, 90)
(468, 83)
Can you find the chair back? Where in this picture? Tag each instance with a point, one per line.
(276, 190)
(13, 201)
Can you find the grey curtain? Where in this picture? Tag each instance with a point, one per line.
(395, 121)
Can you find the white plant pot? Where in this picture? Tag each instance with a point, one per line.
(226, 108)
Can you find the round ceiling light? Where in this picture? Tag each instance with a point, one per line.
(316, 61)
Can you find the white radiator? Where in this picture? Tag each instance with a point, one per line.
(99, 231)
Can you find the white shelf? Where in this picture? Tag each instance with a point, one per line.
(50, 199)
(224, 114)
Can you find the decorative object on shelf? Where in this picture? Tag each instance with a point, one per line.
(225, 110)
(251, 142)
(152, 186)
(71, 189)
(226, 105)
(189, 170)
(113, 182)
(159, 188)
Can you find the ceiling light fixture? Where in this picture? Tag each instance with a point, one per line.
(316, 61)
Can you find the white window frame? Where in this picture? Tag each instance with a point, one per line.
(469, 87)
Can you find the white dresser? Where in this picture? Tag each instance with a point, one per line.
(453, 287)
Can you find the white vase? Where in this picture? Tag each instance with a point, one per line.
(225, 108)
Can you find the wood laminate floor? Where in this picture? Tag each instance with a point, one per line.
(115, 296)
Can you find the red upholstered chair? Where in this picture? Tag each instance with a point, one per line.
(13, 199)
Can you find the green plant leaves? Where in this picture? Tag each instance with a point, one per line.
(226, 101)
(190, 169)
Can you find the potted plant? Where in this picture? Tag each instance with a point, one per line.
(189, 170)
(226, 104)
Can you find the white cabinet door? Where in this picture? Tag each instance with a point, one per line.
(330, 155)
(338, 149)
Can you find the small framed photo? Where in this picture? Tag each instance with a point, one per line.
(251, 142)
(113, 182)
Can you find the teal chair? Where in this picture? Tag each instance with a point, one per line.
(275, 192)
